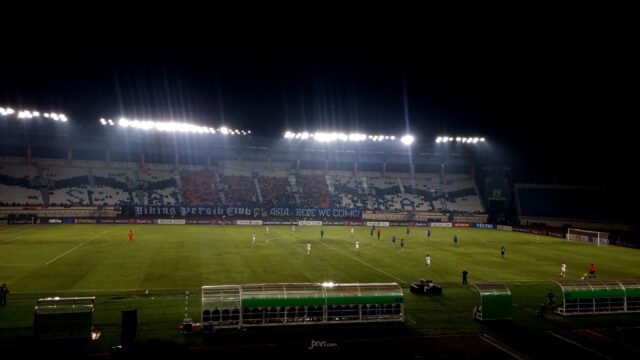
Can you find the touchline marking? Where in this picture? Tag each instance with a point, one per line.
(355, 258)
(10, 239)
(9, 228)
(19, 264)
(66, 252)
(579, 345)
(111, 291)
(444, 282)
(495, 343)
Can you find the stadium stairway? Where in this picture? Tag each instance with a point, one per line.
(332, 189)
(39, 170)
(140, 197)
(401, 187)
(92, 180)
(44, 192)
(178, 182)
(482, 205)
(255, 181)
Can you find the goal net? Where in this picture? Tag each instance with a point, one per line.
(595, 237)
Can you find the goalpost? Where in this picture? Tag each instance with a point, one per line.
(596, 237)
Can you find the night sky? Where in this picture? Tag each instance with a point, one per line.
(555, 103)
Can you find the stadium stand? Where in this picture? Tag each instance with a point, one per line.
(17, 195)
(59, 182)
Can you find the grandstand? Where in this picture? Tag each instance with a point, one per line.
(242, 171)
(263, 182)
(253, 172)
(242, 184)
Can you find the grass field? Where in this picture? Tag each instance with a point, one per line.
(99, 260)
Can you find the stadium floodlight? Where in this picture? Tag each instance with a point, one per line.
(324, 137)
(30, 114)
(6, 111)
(321, 136)
(407, 139)
(462, 139)
(170, 126)
(103, 122)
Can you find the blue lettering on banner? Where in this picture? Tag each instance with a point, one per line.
(324, 212)
(485, 226)
(184, 211)
(239, 211)
(302, 212)
(279, 212)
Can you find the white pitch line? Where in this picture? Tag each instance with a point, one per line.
(495, 343)
(579, 345)
(19, 264)
(77, 246)
(369, 265)
(10, 228)
(355, 258)
(108, 290)
(382, 271)
(10, 239)
(517, 281)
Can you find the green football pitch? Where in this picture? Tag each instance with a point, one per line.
(153, 271)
